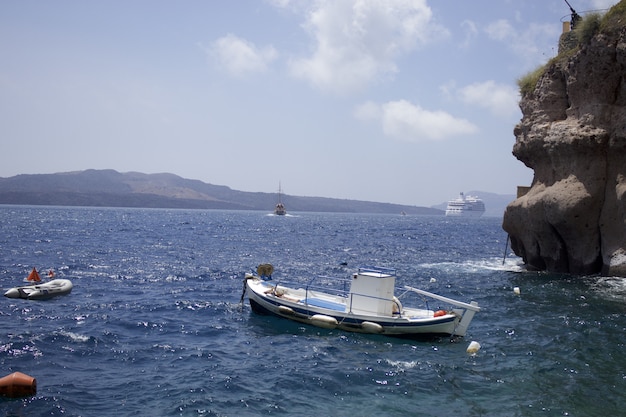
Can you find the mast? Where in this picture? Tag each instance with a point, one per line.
(280, 207)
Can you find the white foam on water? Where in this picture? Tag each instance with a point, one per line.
(476, 266)
(75, 337)
(610, 287)
(401, 366)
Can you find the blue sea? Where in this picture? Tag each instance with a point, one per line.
(154, 325)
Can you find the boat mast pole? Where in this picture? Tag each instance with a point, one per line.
(506, 248)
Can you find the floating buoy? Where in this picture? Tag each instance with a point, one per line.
(371, 327)
(324, 321)
(433, 280)
(516, 290)
(286, 310)
(18, 385)
(440, 313)
(473, 348)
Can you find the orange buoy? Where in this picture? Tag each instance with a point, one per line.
(440, 313)
(17, 385)
(34, 276)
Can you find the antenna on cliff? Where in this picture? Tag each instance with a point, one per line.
(575, 16)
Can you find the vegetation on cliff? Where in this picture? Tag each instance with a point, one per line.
(591, 24)
(572, 135)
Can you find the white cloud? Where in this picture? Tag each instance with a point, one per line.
(279, 3)
(500, 30)
(530, 43)
(603, 4)
(368, 111)
(409, 122)
(471, 32)
(499, 99)
(240, 57)
(356, 41)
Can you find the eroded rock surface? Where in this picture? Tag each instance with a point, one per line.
(573, 135)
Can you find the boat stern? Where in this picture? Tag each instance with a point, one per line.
(466, 319)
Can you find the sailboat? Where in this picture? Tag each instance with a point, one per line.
(279, 210)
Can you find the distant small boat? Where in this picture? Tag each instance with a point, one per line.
(39, 290)
(280, 210)
(465, 206)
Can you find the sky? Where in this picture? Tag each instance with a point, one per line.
(395, 101)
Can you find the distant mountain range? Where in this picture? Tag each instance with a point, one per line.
(109, 188)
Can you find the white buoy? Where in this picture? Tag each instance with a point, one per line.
(516, 290)
(286, 310)
(322, 320)
(372, 327)
(433, 280)
(473, 348)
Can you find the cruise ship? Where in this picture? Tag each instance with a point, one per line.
(465, 206)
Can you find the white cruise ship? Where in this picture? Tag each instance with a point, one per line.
(465, 206)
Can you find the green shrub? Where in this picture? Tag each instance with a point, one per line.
(614, 18)
(587, 28)
(528, 82)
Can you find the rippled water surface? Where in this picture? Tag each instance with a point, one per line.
(154, 325)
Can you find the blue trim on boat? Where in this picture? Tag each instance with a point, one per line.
(318, 302)
(354, 321)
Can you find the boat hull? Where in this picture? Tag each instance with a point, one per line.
(44, 291)
(264, 301)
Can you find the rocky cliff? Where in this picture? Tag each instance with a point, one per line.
(573, 135)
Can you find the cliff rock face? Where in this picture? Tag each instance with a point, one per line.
(573, 135)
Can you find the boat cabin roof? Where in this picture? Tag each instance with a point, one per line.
(377, 271)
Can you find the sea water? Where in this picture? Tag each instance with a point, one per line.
(155, 325)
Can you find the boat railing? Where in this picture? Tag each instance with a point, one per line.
(472, 307)
(331, 285)
(377, 270)
(322, 283)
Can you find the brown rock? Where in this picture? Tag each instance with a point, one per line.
(573, 135)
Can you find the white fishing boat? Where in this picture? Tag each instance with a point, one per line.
(371, 305)
(41, 291)
(465, 206)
